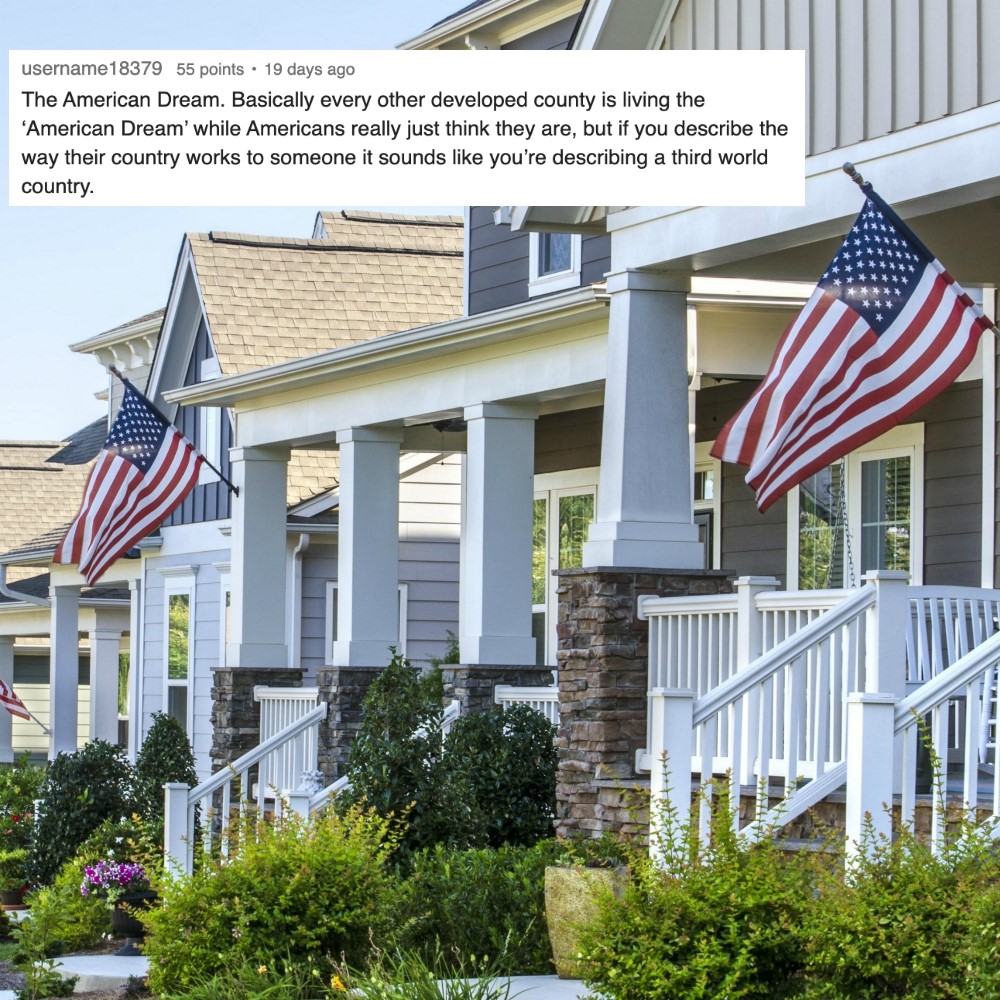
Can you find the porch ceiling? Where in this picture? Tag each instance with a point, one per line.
(963, 238)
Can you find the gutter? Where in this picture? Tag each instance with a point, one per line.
(451, 336)
(16, 595)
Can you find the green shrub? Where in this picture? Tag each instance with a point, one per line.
(255, 981)
(20, 784)
(905, 923)
(483, 902)
(62, 919)
(80, 791)
(396, 765)
(508, 759)
(299, 889)
(720, 920)
(165, 755)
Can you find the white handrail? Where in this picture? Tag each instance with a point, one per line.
(785, 652)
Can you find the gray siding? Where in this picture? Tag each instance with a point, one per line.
(953, 484)
(872, 66)
(555, 37)
(570, 440)
(212, 501)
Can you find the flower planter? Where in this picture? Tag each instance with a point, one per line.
(571, 902)
(124, 923)
(12, 899)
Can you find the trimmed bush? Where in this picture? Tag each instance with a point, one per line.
(80, 791)
(484, 902)
(508, 760)
(165, 755)
(301, 891)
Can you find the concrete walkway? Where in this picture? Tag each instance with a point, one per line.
(105, 972)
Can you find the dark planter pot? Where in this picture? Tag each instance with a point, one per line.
(12, 899)
(125, 925)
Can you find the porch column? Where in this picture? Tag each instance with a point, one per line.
(496, 580)
(64, 670)
(6, 720)
(135, 671)
(368, 554)
(644, 512)
(105, 646)
(257, 628)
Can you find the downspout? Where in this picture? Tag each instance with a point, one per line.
(14, 595)
(295, 603)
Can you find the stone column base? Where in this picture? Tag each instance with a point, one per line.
(603, 663)
(235, 714)
(473, 684)
(344, 690)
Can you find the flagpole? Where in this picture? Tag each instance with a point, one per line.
(235, 489)
(45, 729)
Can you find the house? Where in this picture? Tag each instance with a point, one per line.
(600, 351)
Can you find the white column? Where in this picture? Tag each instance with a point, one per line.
(6, 722)
(368, 547)
(257, 636)
(644, 515)
(105, 645)
(135, 668)
(64, 670)
(496, 582)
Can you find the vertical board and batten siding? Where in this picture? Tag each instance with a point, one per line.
(429, 531)
(872, 66)
(756, 544)
(212, 501)
(207, 622)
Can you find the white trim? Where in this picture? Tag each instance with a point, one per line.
(466, 257)
(704, 462)
(330, 633)
(179, 584)
(225, 590)
(554, 281)
(904, 440)
(209, 425)
(988, 349)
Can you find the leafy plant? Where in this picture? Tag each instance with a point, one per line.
(396, 766)
(13, 869)
(110, 880)
(165, 755)
(80, 791)
(256, 981)
(314, 887)
(44, 980)
(452, 653)
(407, 975)
(20, 783)
(486, 902)
(508, 759)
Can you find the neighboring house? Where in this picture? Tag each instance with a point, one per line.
(590, 399)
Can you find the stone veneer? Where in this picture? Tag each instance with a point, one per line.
(473, 684)
(344, 690)
(235, 714)
(602, 663)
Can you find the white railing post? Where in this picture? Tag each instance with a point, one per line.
(885, 647)
(870, 722)
(298, 802)
(177, 838)
(670, 772)
(750, 645)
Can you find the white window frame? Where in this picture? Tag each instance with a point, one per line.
(180, 581)
(209, 425)
(550, 486)
(330, 630)
(704, 462)
(557, 281)
(225, 590)
(906, 440)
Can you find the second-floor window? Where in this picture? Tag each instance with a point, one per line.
(553, 262)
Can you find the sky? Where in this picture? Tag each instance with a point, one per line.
(67, 274)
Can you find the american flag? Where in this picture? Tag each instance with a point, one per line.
(11, 702)
(886, 329)
(143, 472)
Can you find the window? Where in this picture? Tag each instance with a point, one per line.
(563, 511)
(331, 618)
(860, 514)
(123, 690)
(178, 643)
(553, 262)
(706, 495)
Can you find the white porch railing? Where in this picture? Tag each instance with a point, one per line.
(544, 700)
(280, 707)
(183, 804)
(793, 679)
